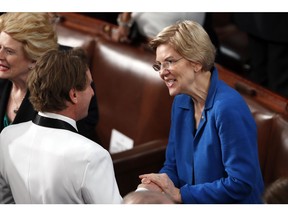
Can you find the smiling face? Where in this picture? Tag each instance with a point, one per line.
(13, 62)
(180, 76)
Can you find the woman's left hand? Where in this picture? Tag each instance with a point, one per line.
(163, 182)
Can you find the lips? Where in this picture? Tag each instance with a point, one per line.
(3, 67)
(170, 82)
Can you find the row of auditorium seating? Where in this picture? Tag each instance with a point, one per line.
(134, 101)
(233, 43)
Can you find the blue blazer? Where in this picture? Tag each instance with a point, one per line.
(218, 163)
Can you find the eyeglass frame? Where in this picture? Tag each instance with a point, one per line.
(166, 64)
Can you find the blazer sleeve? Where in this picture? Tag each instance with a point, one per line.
(99, 183)
(5, 190)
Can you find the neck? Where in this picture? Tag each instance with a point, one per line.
(19, 89)
(200, 88)
(20, 83)
(17, 96)
(67, 112)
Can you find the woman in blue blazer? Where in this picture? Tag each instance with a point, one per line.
(212, 154)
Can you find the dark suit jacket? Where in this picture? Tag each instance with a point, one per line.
(26, 112)
(267, 26)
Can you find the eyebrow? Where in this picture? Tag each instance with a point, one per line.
(167, 59)
(8, 48)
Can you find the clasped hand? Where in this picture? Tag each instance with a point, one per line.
(162, 183)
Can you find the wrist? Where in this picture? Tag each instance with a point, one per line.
(178, 198)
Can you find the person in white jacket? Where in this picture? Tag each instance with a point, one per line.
(46, 160)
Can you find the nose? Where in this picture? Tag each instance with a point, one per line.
(163, 71)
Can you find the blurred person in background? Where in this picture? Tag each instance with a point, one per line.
(268, 46)
(143, 26)
(24, 37)
(147, 197)
(277, 192)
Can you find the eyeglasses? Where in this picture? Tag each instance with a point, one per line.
(165, 65)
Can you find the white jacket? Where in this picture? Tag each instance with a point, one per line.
(48, 165)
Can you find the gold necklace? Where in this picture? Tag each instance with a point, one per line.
(17, 106)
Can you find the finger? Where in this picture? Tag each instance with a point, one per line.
(145, 175)
(145, 181)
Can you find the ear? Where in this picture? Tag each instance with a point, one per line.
(73, 95)
(32, 65)
(197, 67)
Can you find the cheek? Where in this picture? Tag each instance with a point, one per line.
(88, 95)
(188, 74)
(189, 78)
(13, 61)
(19, 65)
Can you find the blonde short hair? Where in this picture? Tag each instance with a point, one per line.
(190, 40)
(34, 30)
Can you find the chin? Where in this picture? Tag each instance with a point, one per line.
(172, 93)
(174, 90)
